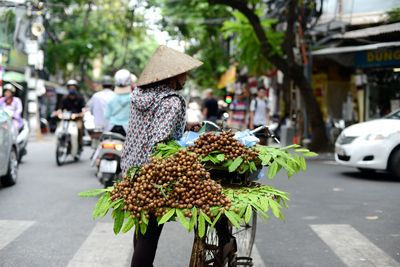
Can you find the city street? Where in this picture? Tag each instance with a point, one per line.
(336, 217)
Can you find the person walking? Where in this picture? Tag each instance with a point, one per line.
(259, 113)
(210, 106)
(118, 108)
(158, 114)
(98, 102)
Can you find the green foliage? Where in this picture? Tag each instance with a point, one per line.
(94, 31)
(249, 48)
(394, 15)
(199, 24)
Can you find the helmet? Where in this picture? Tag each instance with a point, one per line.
(72, 83)
(122, 78)
(107, 82)
(9, 87)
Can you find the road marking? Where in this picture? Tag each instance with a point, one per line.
(354, 249)
(103, 248)
(10, 230)
(257, 260)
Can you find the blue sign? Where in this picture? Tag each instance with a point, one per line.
(378, 58)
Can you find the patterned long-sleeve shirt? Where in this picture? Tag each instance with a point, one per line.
(157, 114)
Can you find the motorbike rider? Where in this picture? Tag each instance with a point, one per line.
(157, 115)
(117, 109)
(12, 105)
(75, 104)
(98, 102)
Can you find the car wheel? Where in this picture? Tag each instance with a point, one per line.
(11, 177)
(394, 163)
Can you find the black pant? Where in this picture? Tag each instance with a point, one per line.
(145, 246)
(118, 129)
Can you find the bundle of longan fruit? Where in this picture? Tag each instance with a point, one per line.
(224, 142)
(179, 181)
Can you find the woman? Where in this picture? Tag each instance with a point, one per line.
(158, 114)
(12, 105)
(118, 108)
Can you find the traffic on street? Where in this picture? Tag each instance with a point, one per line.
(199, 133)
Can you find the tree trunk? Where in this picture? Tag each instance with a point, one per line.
(288, 66)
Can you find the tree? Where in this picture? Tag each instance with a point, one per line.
(110, 31)
(198, 24)
(294, 11)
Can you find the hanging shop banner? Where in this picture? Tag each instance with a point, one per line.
(378, 58)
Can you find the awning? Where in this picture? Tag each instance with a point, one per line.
(367, 32)
(349, 49)
(12, 76)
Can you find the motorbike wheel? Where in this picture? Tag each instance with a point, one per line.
(61, 153)
(11, 176)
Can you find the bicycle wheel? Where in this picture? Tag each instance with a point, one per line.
(220, 246)
(245, 236)
(61, 153)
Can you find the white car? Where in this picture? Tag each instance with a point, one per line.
(372, 145)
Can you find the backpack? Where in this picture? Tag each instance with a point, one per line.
(256, 101)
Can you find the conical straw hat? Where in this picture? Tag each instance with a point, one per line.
(166, 63)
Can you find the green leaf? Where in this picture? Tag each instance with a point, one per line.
(253, 167)
(128, 225)
(273, 170)
(206, 217)
(235, 164)
(310, 154)
(165, 218)
(143, 217)
(276, 208)
(302, 150)
(302, 162)
(201, 225)
(265, 159)
(193, 219)
(118, 220)
(232, 218)
(182, 219)
(220, 157)
(248, 213)
(291, 146)
(92, 193)
(102, 206)
(216, 219)
(143, 228)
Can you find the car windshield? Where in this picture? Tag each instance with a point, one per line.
(394, 115)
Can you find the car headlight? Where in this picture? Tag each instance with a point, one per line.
(378, 136)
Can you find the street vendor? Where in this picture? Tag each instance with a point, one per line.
(158, 114)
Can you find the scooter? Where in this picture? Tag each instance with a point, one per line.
(22, 139)
(107, 158)
(67, 138)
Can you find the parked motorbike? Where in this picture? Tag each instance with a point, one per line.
(67, 138)
(107, 158)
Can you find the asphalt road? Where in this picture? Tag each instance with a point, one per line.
(336, 217)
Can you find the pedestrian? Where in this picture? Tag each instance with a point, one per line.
(259, 113)
(12, 105)
(118, 108)
(238, 112)
(158, 114)
(210, 106)
(98, 102)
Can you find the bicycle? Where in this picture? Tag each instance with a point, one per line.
(224, 245)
